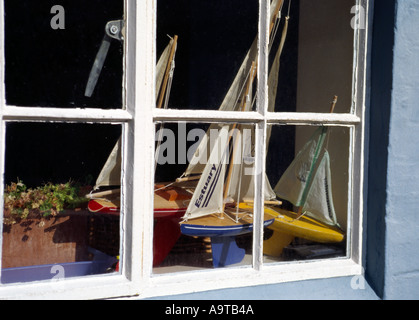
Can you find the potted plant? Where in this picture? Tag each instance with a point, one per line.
(44, 225)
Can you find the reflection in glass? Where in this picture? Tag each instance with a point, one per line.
(310, 53)
(309, 170)
(325, 55)
(50, 229)
(214, 38)
(49, 67)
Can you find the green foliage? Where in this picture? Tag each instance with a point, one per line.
(50, 199)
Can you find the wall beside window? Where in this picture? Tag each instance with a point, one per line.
(393, 217)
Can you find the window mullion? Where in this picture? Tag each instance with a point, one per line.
(2, 124)
(2, 60)
(2, 157)
(140, 139)
(260, 148)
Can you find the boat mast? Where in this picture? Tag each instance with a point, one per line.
(332, 108)
(164, 91)
(252, 75)
(244, 102)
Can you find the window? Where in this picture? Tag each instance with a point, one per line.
(289, 113)
(63, 108)
(195, 108)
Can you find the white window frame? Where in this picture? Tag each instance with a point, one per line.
(125, 282)
(136, 277)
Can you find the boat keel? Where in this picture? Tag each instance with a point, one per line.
(225, 251)
(166, 233)
(276, 243)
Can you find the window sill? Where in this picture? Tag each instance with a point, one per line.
(95, 287)
(199, 281)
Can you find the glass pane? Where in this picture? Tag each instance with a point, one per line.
(316, 62)
(50, 50)
(51, 229)
(204, 195)
(214, 38)
(309, 172)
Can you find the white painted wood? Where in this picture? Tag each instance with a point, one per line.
(313, 118)
(260, 134)
(65, 114)
(205, 115)
(83, 288)
(187, 282)
(100, 286)
(2, 63)
(142, 138)
(271, 117)
(2, 131)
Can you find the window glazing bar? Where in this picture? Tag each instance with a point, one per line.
(51, 114)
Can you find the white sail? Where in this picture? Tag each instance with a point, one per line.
(319, 202)
(161, 67)
(307, 181)
(242, 182)
(295, 180)
(232, 102)
(111, 171)
(238, 97)
(208, 195)
(110, 174)
(241, 187)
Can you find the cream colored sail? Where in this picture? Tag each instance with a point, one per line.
(242, 184)
(208, 195)
(161, 66)
(232, 102)
(319, 202)
(111, 171)
(110, 174)
(241, 187)
(307, 181)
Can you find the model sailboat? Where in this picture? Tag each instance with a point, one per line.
(169, 202)
(307, 185)
(220, 207)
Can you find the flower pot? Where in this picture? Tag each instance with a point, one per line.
(41, 241)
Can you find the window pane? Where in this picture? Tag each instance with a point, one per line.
(213, 39)
(309, 172)
(314, 64)
(50, 51)
(50, 228)
(204, 219)
(317, 59)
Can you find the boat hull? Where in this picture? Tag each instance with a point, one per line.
(103, 206)
(305, 227)
(285, 228)
(168, 211)
(213, 226)
(223, 233)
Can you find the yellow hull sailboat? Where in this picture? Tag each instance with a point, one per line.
(307, 185)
